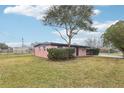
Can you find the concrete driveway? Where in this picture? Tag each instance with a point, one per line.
(110, 55)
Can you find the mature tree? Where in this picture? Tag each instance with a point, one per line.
(70, 18)
(115, 35)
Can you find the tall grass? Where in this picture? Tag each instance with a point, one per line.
(29, 71)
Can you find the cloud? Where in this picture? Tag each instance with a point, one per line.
(102, 26)
(96, 12)
(35, 11)
(38, 11)
(83, 35)
(27, 10)
(80, 38)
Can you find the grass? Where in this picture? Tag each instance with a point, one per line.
(29, 71)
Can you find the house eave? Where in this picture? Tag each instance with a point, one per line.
(59, 44)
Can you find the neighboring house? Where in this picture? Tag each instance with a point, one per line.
(21, 50)
(8, 50)
(40, 50)
(108, 50)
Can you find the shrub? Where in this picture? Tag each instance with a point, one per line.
(94, 51)
(112, 51)
(60, 53)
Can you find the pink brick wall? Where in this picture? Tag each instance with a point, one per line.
(82, 52)
(41, 52)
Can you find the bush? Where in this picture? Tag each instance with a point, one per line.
(94, 51)
(112, 51)
(60, 53)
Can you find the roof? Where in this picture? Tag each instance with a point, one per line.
(59, 44)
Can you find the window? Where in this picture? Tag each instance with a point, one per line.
(60, 47)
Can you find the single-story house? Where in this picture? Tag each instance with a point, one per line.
(21, 50)
(40, 50)
(8, 50)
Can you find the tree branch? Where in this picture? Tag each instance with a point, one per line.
(66, 28)
(56, 26)
(75, 33)
(62, 36)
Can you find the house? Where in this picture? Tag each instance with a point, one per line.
(40, 50)
(7, 50)
(21, 50)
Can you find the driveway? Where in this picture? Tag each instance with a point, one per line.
(110, 55)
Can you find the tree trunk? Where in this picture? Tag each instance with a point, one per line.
(69, 42)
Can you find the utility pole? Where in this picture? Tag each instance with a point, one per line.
(22, 42)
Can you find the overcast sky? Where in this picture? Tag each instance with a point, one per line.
(24, 21)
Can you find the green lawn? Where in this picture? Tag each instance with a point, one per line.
(29, 71)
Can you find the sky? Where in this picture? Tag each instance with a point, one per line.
(25, 21)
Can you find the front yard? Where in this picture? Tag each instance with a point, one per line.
(29, 71)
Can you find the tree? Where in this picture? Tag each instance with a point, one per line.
(94, 42)
(114, 35)
(3, 46)
(70, 18)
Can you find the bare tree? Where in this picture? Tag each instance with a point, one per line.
(94, 42)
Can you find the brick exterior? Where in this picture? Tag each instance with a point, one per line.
(41, 51)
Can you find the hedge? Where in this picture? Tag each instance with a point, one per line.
(94, 51)
(60, 53)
